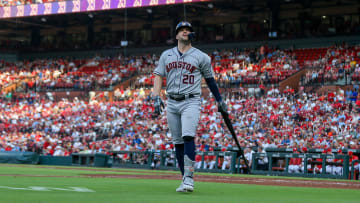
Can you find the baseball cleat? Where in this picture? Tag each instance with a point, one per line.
(188, 183)
(181, 188)
(184, 188)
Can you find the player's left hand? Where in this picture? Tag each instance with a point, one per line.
(158, 105)
(222, 108)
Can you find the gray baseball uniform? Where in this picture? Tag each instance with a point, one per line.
(183, 79)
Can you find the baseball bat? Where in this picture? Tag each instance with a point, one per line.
(240, 152)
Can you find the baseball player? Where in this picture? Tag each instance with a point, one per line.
(295, 163)
(184, 67)
(210, 160)
(352, 158)
(338, 169)
(329, 168)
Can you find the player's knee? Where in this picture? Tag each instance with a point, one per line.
(188, 138)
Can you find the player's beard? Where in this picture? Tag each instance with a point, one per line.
(185, 41)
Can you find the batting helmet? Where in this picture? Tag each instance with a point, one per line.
(183, 24)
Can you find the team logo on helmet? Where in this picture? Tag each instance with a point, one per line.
(183, 24)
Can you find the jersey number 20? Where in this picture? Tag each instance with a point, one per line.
(188, 79)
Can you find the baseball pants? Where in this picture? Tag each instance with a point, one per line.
(183, 118)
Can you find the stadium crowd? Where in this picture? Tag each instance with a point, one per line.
(271, 119)
(64, 74)
(244, 67)
(336, 62)
(274, 120)
(264, 66)
(268, 66)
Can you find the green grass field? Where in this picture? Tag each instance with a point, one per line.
(15, 187)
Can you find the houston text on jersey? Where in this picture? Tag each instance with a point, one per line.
(180, 64)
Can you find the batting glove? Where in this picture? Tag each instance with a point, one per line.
(158, 105)
(222, 108)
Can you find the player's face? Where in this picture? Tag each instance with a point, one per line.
(183, 34)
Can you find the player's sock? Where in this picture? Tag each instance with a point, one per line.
(179, 151)
(189, 145)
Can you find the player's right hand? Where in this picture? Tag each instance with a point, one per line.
(158, 105)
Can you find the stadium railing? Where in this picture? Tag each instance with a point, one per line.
(132, 159)
(165, 160)
(219, 161)
(278, 162)
(96, 160)
(8, 57)
(56, 160)
(19, 157)
(274, 168)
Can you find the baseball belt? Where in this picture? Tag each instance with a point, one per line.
(181, 97)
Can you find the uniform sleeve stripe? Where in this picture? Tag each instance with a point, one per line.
(157, 73)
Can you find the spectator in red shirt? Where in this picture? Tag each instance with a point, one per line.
(8, 147)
